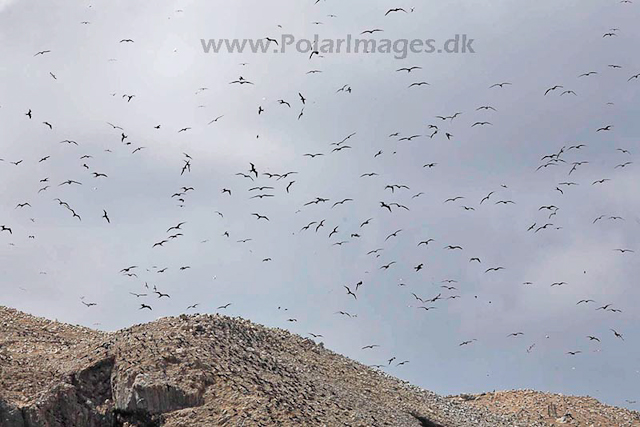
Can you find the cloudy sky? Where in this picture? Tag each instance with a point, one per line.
(53, 262)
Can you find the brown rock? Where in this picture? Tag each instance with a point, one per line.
(207, 370)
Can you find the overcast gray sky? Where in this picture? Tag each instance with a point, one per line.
(534, 46)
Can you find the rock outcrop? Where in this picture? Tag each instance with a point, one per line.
(204, 370)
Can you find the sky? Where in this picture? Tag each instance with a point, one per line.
(291, 278)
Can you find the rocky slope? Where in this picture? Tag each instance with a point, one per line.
(554, 409)
(217, 371)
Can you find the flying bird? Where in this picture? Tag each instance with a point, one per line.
(397, 9)
(341, 202)
(177, 227)
(386, 267)
(395, 234)
(138, 295)
(622, 251)
(453, 199)
(409, 69)
(600, 181)
(551, 89)
(617, 334)
(558, 284)
(349, 292)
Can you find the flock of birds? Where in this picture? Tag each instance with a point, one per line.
(257, 183)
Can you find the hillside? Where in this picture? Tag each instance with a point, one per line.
(208, 370)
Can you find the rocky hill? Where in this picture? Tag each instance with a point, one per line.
(208, 370)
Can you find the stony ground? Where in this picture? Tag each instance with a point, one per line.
(207, 370)
(553, 409)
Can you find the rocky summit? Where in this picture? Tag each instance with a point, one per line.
(211, 370)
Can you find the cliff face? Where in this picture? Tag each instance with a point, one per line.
(201, 371)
